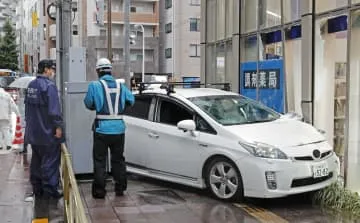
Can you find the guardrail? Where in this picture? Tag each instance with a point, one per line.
(74, 211)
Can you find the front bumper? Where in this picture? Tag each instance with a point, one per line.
(292, 177)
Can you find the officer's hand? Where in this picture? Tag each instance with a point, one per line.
(58, 133)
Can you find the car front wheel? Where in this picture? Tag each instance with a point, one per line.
(224, 180)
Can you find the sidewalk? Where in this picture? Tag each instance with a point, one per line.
(14, 184)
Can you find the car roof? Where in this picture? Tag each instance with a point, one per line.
(191, 92)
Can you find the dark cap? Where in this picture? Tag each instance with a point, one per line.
(46, 64)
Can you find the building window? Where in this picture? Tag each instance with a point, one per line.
(168, 4)
(194, 50)
(132, 9)
(194, 25)
(195, 2)
(168, 53)
(168, 28)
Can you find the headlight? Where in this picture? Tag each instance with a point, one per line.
(263, 150)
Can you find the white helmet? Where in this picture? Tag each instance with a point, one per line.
(103, 64)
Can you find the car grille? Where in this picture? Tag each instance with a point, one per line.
(310, 181)
(310, 158)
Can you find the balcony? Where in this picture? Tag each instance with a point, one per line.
(53, 53)
(134, 17)
(52, 32)
(2, 6)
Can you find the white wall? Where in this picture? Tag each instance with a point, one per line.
(329, 50)
(354, 116)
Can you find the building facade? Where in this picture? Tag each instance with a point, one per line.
(94, 36)
(180, 38)
(292, 55)
(7, 11)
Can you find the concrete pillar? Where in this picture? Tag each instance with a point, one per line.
(307, 60)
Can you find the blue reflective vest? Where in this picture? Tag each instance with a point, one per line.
(108, 99)
(42, 112)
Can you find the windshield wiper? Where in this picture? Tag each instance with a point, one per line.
(261, 121)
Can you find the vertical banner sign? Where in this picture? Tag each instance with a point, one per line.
(269, 80)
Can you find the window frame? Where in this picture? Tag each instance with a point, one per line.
(197, 21)
(168, 4)
(168, 27)
(171, 100)
(150, 115)
(197, 50)
(156, 114)
(168, 56)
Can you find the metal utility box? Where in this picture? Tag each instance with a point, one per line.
(78, 123)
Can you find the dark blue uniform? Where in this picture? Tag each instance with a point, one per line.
(43, 116)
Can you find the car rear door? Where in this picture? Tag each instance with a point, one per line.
(138, 120)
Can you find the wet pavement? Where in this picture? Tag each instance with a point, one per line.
(150, 201)
(14, 183)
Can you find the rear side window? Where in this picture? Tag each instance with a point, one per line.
(172, 113)
(141, 108)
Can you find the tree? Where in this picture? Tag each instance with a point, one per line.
(8, 48)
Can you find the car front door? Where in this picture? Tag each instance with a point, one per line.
(138, 120)
(176, 152)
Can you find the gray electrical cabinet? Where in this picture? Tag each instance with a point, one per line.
(78, 124)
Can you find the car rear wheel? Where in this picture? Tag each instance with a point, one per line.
(223, 179)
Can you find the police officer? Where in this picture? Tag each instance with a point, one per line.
(44, 131)
(108, 98)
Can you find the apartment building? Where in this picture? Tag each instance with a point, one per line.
(180, 38)
(36, 32)
(94, 36)
(7, 11)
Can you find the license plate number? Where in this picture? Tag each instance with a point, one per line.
(320, 171)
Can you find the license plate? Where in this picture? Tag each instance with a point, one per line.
(321, 170)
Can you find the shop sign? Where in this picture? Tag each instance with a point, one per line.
(268, 82)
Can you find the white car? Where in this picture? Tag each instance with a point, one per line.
(234, 146)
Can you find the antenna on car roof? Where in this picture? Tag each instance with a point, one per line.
(170, 86)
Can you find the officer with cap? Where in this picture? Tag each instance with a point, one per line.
(108, 98)
(43, 131)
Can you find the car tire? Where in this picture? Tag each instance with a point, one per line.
(223, 179)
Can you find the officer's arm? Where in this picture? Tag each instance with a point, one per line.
(54, 110)
(129, 97)
(89, 98)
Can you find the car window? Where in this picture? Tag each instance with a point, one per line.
(234, 109)
(171, 113)
(203, 126)
(141, 107)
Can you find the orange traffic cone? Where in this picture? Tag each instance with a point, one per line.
(18, 140)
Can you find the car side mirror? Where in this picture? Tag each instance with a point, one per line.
(187, 125)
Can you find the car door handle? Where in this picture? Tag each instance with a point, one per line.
(203, 145)
(153, 135)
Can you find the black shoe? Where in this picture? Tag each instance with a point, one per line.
(119, 193)
(98, 195)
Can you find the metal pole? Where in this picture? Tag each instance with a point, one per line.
(126, 41)
(143, 51)
(109, 34)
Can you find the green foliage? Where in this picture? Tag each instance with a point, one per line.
(339, 199)
(8, 48)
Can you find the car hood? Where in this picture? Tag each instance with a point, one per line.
(282, 133)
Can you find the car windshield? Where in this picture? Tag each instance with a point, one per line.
(234, 109)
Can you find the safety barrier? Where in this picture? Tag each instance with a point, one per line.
(74, 211)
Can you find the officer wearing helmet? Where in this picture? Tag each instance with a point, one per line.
(43, 130)
(108, 98)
